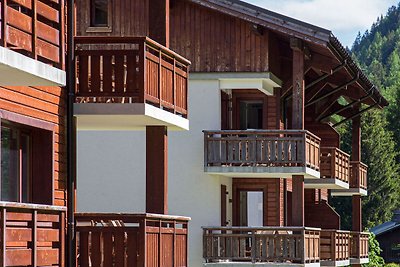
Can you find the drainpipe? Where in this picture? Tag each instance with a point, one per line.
(71, 242)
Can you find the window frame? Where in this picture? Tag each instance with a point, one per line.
(35, 127)
(21, 130)
(99, 28)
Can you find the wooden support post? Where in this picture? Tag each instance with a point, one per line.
(298, 123)
(298, 200)
(356, 156)
(159, 21)
(298, 84)
(156, 169)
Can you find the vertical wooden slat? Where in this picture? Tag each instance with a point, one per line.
(62, 239)
(34, 237)
(34, 30)
(3, 228)
(108, 249)
(119, 249)
(84, 249)
(95, 249)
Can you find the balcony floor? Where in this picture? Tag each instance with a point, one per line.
(359, 261)
(349, 192)
(19, 70)
(335, 263)
(325, 183)
(262, 172)
(127, 116)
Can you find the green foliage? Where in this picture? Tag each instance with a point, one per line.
(374, 250)
(392, 265)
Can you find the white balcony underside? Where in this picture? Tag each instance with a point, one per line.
(19, 70)
(325, 183)
(335, 263)
(125, 117)
(259, 264)
(262, 172)
(349, 192)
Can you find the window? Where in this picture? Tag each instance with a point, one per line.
(26, 173)
(100, 13)
(15, 164)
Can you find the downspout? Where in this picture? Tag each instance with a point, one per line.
(71, 242)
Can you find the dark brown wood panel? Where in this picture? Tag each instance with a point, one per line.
(129, 18)
(209, 39)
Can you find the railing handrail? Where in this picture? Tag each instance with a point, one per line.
(359, 162)
(111, 216)
(336, 150)
(31, 206)
(129, 39)
(261, 131)
(277, 228)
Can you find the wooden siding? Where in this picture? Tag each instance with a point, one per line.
(210, 40)
(129, 18)
(314, 207)
(46, 104)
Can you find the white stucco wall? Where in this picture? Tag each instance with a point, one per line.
(111, 169)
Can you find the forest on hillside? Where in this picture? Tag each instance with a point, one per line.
(377, 52)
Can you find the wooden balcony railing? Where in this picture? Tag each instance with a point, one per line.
(32, 235)
(335, 164)
(280, 148)
(143, 240)
(130, 70)
(359, 245)
(358, 175)
(261, 244)
(34, 28)
(335, 245)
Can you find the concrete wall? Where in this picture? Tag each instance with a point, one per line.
(111, 169)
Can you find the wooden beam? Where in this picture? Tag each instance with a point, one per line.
(156, 169)
(356, 156)
(159, 21)
(298, 84)
(297, 200)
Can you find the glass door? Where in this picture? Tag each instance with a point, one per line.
(251, 208)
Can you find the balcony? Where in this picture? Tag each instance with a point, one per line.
(334, 168)
(262, 153)
(32, 43)
(278, 245)
(128, 83)
(131, 240)
(32, 235)
(335, 248)
(283, 246)
(358, 180)
(359, 248)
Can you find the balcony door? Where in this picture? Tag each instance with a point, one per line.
(249, 203)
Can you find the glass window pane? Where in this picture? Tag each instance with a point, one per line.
(255, 209)
(9, 165)
(25, 168)
(99, 13)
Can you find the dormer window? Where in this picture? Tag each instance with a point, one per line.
(100, 13)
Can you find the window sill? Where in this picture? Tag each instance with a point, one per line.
(99, 29)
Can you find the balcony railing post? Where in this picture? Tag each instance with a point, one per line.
(142, 76)
(34, 236)
(34, 35)
(303, 246)
(160, 91)
(3, 226)
(174, 85)
(253, 246)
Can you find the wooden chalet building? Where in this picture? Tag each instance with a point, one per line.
(262, 155)
(388, 236)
